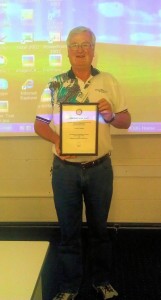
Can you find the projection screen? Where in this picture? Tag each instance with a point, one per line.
(33, 49)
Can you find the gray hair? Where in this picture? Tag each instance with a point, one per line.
(80, 29)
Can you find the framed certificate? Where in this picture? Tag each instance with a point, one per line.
(79, 129)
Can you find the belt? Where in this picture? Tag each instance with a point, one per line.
(86, 165)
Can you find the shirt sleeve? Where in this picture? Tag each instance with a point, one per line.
(117, 97)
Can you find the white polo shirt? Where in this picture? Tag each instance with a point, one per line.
(66, 88)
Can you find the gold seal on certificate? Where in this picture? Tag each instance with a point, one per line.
(79, 129)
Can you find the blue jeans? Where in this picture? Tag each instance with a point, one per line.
(71, 186)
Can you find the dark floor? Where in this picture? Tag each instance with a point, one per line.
(137, 265)
(136, 272)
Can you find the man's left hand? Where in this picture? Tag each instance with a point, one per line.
(105, 109)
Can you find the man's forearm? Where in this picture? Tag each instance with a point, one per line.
(45, 131)
(122, 120)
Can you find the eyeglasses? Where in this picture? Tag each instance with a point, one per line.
(84, 46)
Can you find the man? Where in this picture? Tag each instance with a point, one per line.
(87, 177)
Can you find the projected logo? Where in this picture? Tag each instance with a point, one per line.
(3, 106)
(3, 84)
(28, 84)
(55, 59)
(28, 60)
(3, 60)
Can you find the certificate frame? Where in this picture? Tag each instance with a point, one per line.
(79, 128)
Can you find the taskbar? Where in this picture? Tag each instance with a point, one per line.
(28, 128)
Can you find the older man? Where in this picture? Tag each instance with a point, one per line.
(88, 178)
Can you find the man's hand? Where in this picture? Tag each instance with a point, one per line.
(47, 133)
(57, 148)
(105, 109)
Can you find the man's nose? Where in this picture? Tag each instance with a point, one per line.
(80, 48)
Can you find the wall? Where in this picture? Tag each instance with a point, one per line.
(25, 182)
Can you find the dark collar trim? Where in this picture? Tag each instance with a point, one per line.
(94, 72)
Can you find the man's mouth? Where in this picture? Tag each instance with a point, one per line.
(80, 56)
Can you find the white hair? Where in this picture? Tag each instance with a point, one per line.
(81, 29)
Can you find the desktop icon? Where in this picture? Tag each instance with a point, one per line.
(28, 84)
(28, 60)
(3, 106)
(46, 95)
(3, 60)
(55, 59)
(54, 37)
(2, 38)
(27, 15)
(3, 84)
(27, 37)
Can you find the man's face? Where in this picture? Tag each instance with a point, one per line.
(81, 50)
